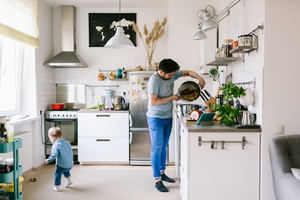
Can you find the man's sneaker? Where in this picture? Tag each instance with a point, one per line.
(164, 177)
(56, 188)
(68, 183)
(160, 186)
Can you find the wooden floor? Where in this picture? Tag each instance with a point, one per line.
(101, 182)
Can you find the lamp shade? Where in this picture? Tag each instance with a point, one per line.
(119, 40)
(209, 24)
(199, 35)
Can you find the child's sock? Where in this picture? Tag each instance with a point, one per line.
(56, 188)
(69, 182)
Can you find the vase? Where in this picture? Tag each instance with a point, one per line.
(149, 65)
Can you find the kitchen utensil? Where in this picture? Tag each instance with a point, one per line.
(57, 106)
(189, 91)
(246, 118)
(252, 118)
(228, 78)
(118, 102)
(69, 105)
(248, 99)
(210, 101)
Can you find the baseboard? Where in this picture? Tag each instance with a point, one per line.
(38, 168)
(34, 169)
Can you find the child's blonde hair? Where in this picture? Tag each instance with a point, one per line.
(55, 132)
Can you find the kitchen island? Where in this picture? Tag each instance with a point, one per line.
(216, 162)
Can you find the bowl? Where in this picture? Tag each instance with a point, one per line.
(57, 106)
(69, 105)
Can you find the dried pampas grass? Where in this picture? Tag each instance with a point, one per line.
(150, 38)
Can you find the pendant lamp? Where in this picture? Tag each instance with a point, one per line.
(119, 40)
(200, 34)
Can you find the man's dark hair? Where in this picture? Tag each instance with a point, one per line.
(168, 66)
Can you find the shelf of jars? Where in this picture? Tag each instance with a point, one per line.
(225, 61)
(233, 51)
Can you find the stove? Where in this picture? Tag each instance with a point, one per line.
(61, 114)
(67, 121)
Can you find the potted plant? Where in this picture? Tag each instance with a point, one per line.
(226, 111)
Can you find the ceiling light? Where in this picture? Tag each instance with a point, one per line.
(200, 34)
(119, 40)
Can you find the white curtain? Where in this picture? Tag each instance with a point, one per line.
(19, 20)
(12, 57)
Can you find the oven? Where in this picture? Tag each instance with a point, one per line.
(67, 121)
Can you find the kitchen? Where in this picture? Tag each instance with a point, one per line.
(264, 67)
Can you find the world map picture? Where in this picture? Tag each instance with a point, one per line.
(103, 26)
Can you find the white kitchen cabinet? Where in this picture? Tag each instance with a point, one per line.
(214, 165)
(103, 137)
(104, 124)
(103, 150)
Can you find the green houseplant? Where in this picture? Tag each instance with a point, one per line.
(227, 112)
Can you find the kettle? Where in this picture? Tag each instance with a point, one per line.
(118, 102)
(246, 118)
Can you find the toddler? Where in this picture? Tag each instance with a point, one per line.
(62, 154)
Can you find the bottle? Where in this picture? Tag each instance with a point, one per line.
(119, 73)
(3, 133)
(10, 131)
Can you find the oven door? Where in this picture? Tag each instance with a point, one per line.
(69, 131)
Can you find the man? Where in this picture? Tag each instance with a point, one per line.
(159, 115)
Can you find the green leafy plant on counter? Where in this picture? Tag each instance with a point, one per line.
(227, 111)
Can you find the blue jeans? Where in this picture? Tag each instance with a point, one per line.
(58, 172)
(160, 131)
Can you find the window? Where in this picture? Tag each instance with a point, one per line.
(12, 57)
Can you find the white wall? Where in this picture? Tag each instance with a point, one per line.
(45, 87)
(281, 72)
(45, 75)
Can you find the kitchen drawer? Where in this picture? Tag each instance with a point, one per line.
(103, 125)
(103, 150)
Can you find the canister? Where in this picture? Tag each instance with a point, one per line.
(245, 41)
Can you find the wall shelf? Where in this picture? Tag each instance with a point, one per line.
(224, 61)
(237, 50)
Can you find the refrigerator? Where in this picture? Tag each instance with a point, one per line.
(140, 143)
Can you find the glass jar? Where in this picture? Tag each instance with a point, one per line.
(218, 53)
(227, 47)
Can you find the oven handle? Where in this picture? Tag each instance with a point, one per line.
(102, 115)
(102, 140)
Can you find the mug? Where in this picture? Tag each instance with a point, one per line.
(252, 118)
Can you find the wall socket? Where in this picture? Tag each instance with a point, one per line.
(278, 129)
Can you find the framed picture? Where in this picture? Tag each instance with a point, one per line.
(102, 27)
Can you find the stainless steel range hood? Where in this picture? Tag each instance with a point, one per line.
(68, 58)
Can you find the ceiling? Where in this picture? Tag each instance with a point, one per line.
(110, 3)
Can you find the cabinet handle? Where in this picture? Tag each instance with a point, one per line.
(102, 115)
(214, 143)
(103, 140)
